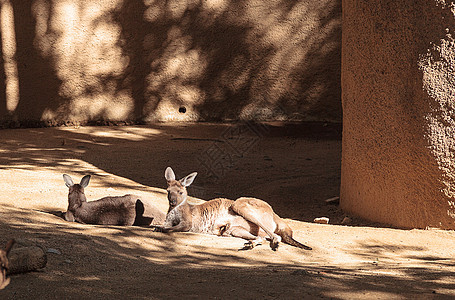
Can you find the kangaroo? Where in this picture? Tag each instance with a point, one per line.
(121, 210)
(247, 218)
(4, 264)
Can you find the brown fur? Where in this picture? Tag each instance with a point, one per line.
(124, 210)
(4, 264)
(248, 218)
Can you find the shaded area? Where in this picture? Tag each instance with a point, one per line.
(122, 262)
(3, 110)
(38, 81)
(133, 35)
(135, 61)
(227, 62)
(134, 262)
(295, 184)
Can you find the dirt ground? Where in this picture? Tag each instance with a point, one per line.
(293, 167)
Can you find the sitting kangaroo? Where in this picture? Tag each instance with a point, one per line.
(121, 210)
(247, 218)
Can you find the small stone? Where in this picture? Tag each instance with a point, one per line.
(321, 220)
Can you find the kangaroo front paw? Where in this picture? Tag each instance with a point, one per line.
(274, 245)
(275, 242)
(248, 245)
(156, 228)
(251, 244)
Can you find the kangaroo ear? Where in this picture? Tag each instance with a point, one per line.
(169, 174)
(9, 245)
(84, 181)
(68, 180)
(186, 181)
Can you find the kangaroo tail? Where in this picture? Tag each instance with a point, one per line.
(290, 241)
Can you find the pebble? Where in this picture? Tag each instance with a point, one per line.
(321, 220)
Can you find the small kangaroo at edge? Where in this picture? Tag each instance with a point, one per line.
(4, 264)
(120, 210)
(247, 218)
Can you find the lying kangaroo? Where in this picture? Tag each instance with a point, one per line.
(248, 218)
(121, 210)
(4, 264)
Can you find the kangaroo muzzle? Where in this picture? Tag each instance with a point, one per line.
(173, 199)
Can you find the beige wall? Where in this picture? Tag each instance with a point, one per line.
(84, 60)
(398, 93)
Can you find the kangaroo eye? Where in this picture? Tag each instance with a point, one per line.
(181, 193)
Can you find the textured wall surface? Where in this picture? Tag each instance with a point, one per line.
(398, 93)
(190, 60)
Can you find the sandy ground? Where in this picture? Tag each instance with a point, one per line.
(294, 168)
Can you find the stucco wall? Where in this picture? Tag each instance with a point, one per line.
(398, 93)
(214, 60)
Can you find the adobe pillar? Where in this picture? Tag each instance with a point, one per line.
(398, 96)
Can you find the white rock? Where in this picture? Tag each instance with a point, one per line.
(321, 220)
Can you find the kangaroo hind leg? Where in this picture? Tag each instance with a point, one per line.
(243, 233)
(260, 213)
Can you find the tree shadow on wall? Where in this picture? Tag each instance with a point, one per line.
(38, 82)
(222, 63)
(215, 62)
(3, 110)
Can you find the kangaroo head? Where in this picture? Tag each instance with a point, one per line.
(176, 189)
(76, 193)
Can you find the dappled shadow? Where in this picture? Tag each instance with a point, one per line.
(381, 253)
(227, 62)
(3, 110)
(143, 153)
(117, 261)
(166, 60)
(134, 30)
(85, 61)
(37, 77)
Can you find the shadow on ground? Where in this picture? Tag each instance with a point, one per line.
(288, 166)
(116, 262)
(294, 167)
